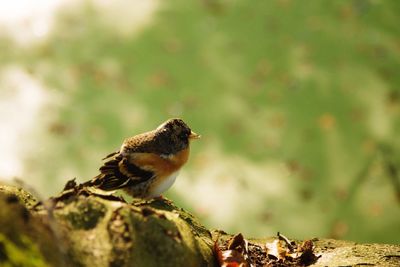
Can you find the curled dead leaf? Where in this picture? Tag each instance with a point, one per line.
(236, 254)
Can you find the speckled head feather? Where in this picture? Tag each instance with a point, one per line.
(173, 136)
(170, 137)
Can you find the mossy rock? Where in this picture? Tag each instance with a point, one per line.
(24, 240)
(111, 232)
(80, 228)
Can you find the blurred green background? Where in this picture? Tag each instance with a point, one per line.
(298, 103)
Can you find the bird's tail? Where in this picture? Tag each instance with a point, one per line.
(107, 172)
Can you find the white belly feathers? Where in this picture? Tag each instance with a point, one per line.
(163, 186)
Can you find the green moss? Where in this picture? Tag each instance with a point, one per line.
(24, 254)
(84, 214)
(26, 198)
(165, 237)
(136, 234)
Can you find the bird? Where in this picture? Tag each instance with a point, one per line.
(147, 164)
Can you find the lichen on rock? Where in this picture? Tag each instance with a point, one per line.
(81, 228)
(96, 230)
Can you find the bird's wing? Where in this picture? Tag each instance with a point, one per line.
(118, 172)
(110, 155)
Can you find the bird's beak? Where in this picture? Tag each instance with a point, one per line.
(194, 135)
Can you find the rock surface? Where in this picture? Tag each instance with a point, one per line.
(81, 228)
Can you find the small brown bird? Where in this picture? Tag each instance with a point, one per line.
(147, 164)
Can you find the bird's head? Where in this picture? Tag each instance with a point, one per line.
(176, 132)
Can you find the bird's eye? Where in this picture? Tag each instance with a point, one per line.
(184, 135)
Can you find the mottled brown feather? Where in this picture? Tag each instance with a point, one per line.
(117, 172)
